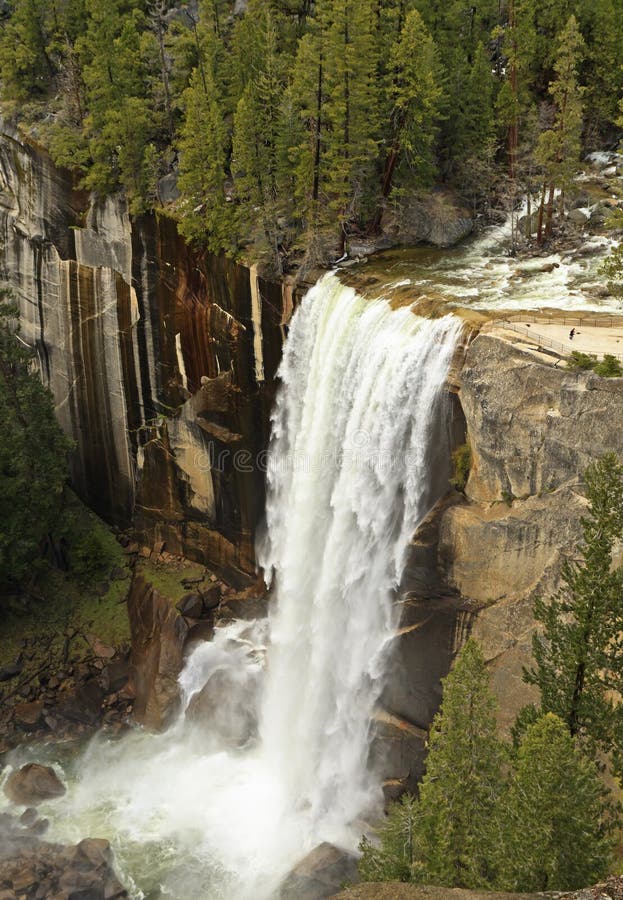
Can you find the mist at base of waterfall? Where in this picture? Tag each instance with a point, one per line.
(246, 783)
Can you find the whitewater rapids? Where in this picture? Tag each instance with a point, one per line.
(359, 428)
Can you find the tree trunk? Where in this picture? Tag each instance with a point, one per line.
(539, 233)
(165, 77)
(316, 185)
(550, 213)
(513, 128)
(391, 162)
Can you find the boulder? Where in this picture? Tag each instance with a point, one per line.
(29, 715)
(439, 220)
(191, 605)
(250, 603)
(99, 648)
(29, 816)
(528, 224)
(579, 216)
(225, 708)
(33, 784)
(36, 869)
(115, 676)
(83, 704)
(211, 596)
(12, 670)
(320, 874)
(168, 191)
(96, 850)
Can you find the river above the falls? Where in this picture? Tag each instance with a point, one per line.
(483, 274)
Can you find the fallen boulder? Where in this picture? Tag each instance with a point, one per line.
(320, 874)
(33, 784)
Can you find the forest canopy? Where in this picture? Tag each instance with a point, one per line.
(275, 125)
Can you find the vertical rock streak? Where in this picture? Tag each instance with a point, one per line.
(358, 422)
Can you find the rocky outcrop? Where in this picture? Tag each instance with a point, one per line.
(533, 429)
(612, 889)
(160, 360)
(396, 891)
(533, 426)
(437, 220)
(159, 633)
(320, 874)
(31, 868)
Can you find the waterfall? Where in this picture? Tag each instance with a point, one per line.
(227, 801)
(356, 424)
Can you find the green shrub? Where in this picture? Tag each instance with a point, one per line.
(461, 464)
(609, 367)
(579, 361)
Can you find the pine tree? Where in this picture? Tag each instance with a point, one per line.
(306, 97)
(350, 108)
(602, 68)
(334, 94)
(116, 87)
(457, 831)
(515, 99)
(558, 149)
(33, 456)
(393, 858)
(578, 657)
(413, 101)
(26, 65)
(476, 143)
(558, 825)
(207, 212)
(457, 28)
(612, 268)
(256, 136)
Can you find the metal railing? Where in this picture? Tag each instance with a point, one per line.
(595, 321)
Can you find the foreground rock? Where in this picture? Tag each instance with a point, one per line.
(612, 889)
(33, 869)
(322, 872)
(395, 891)
(33, 784)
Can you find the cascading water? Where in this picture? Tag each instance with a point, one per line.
(349, 481)
(223, 807)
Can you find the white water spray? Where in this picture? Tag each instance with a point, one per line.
(224, 807)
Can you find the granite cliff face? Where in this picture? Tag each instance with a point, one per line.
(533, 429)
(160, 360)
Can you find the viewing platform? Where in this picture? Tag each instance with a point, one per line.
(549, 336)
